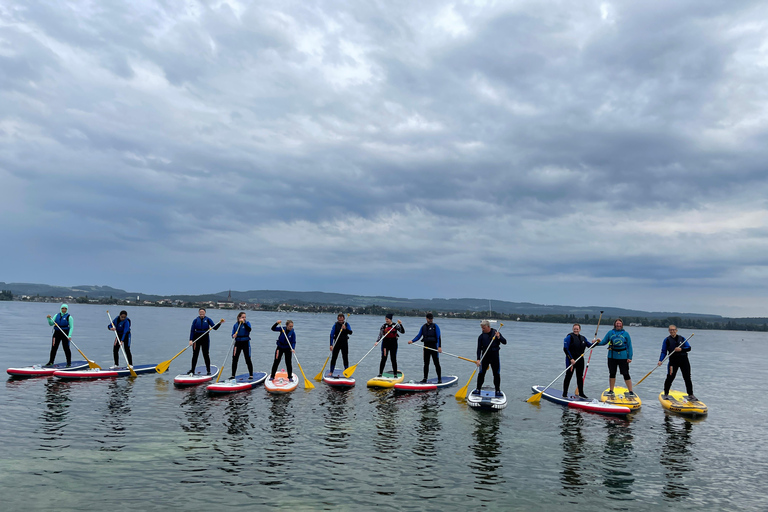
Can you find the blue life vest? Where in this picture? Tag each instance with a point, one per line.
(618, 343)
(201, 325)
(62, 321)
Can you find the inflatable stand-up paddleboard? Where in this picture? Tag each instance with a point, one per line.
(239, 383)
(678, 402)
(576, 402)
(110, 373)
(200, 376)
(338, 380)
(620, 398)
(281, 384)
(38, 370)
(430, 385)
(487, 400)
(387, 380)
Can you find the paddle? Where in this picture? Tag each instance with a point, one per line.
(584, 378)
(221, 368)
(461, 394)
(163, 367)
(349, 371)
(473, 361)
(130, 367)
(319, 376)
(91, 364)
(307, 383)
(536, 398)
(662, 362)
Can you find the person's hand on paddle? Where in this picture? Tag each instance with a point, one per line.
(330, 348)
(49, 316)
(410, 342)
(678, 349)
(659, 363)
(279, 322)
(440, 349)
(477, 362)
(191, 342)
(293, 350)
(629, 361)
(573, 362)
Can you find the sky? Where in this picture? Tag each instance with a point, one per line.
(556, 152)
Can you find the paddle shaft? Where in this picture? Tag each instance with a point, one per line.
(307, 384)
(319, 376)
(584, 378)
(130, 366)
(662, 362)
(446, 353)
(231, 347)
(78, 348)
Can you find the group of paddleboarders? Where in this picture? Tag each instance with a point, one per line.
(620, 356)
(489, 342)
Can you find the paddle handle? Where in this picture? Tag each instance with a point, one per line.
(662, 362)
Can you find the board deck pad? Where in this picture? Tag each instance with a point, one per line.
(678, 402)
(281, 384)
(487, 400)
(387, 380)
(337, 379)
(621, 399)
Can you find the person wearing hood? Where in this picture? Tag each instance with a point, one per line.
(388, 334)
(619, 355)
(63, 324)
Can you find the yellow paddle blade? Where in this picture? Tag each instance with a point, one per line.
(163, 367)
(349, 371)
(307, 383)
(461, 394)
(133, 373)
(93, 366)
(535, 399)
(319, 376)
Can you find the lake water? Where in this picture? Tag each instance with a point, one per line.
(141, 444)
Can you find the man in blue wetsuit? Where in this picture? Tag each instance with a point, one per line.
(431, 334)
(619, 355)
(61, 334)
(340, 334)
(678, 347)
(488, 344)
(574, 345)
(122, 330)
(200, 327)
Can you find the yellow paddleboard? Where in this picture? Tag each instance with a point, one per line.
(678, 402)
(387, 380)
(620, 398)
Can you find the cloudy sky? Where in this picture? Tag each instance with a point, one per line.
(558, 152)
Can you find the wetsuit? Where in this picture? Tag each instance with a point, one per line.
(619, 350)
(123, 333)
(677, 360)
(67, 324)
(573, 346)
(200, 327)
(432, 339)
(341, 344)
(284, 347)
(491, 358)
(242, 334)
(388, 335)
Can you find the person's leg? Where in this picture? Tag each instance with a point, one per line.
(612, 367)
(685, 368)
(115, 352)
(235, 358)
(426, 356)
(195, 355)
(276, 363)
(335, 355)
(345, 354)
(438, 368)
(247, 356)
(128, 354)
(578, 368)
(568, 377)
(671, 374)
(54, 348)
(206, 345)
(289, 362)
(624, 367)
(383, 361)
(393, 357)
(496, 367)
(67, 351)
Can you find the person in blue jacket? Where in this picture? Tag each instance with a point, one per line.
(340, 334)
(678, 347)
(286, 345)
(574, 345)
(61, 334)
(122, 330)
(200, 327)
(431, 334)
(488, 355)
(619, 355)
(241, 333)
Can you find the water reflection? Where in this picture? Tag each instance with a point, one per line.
(236, 414)
(486, 447)
(54, 416)
(336, 414)
(197, 411)
(676, 457)
(115, 419)
(619, 458)
(574, 452)
(385, 417)
(427, 431)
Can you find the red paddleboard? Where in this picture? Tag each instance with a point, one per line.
(39, 370)
(200, 376)
(281, 384)
(414, 387)
(338, 380)
(239, 383)
(110, 373)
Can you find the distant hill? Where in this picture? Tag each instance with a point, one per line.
(340, 299)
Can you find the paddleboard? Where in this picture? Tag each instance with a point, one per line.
(239, 383)
(678, 402)
(487, 400)
(110, 373)
(338, 380)
(387, 380)
(200, 376)
(281, 384)
(430, 385)
(620, 398)
(576, 402)
(39, 370)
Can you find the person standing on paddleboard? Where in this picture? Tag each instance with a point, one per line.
(200, 327)
(241, 332)
(341, 330)
(678, 347)
(431, 334)
(122, 329)
(285, 347)
(619, 355)
(388, 334)
(488, 344)
(574, 345)
(61, 334)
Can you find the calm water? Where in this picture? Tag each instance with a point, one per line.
(141, 444)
